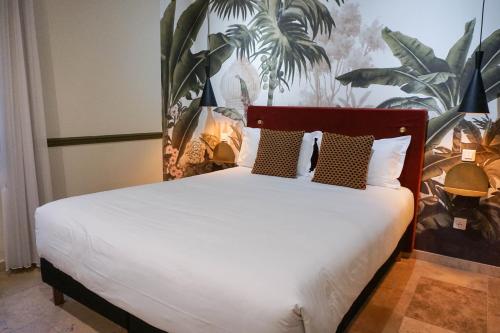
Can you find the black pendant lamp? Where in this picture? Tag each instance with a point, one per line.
(474, 100)
(208, 96)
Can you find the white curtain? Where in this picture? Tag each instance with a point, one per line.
(24, 166)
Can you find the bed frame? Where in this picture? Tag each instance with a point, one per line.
(382, 123)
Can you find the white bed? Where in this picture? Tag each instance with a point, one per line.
(228, 251)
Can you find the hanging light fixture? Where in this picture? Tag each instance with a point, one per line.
(474, 100)
(208, 96)
(211, 130)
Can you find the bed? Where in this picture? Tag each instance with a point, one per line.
(232, 251)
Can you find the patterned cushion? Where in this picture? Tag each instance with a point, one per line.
(278, 153)
(343, 160)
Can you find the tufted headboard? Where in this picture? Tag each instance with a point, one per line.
(381, 123)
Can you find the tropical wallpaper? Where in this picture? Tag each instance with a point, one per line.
(358, 53)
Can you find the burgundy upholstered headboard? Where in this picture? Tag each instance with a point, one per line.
(381, 123)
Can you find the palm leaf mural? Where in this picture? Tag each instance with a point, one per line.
(312, 13)
(458, 53)
(230, 113)
(428, 103)
(236, 138)
(413, 53)
(189, 77)
(421, 72)
(166, 36)
(243, 38)
(280, 34)
(183, 72)
(288, 42)
(187, 29)
(438, 85)
(439, 126)
(189, 73)
(491, 61)
(182, 79)
(245, 96)
(492, 129)
(184, 129)
(440, 160)
(234, 8)
(283, 31)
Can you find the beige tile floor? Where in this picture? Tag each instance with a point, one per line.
(416, 296)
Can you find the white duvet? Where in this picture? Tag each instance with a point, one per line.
(228, 251)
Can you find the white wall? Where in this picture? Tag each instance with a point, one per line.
(101, 75)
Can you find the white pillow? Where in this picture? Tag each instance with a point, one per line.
(250, 145)
(306, 151)
(387, 160)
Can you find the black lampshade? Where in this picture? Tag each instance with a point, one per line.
(474, 100)
(208, 96)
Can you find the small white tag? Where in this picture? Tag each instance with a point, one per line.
(468, 155)
(459, 223)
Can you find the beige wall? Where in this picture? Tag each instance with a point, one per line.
(101, 75)
(93, 168)
(2, 254)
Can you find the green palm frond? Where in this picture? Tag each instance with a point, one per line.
(444, 80)
(284, 31)
(311, 13)
(234, 8)
(287, 40)
(297, 50)
(243, 38)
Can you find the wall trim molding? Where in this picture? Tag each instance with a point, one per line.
(88, 140)
(464, 265)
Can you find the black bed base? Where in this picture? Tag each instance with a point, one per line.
(65, 284)
(61, 282)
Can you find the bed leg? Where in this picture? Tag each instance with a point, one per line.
(405, 255)
(58, 296)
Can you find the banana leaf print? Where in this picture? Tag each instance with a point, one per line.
(230, 113)
(280, 34)
(183, 72)
(443, 80)
(183, 130)
(442, 159)
(438, 85)
(166, 36)
(428, 103)
(245, 96)
(234, 8)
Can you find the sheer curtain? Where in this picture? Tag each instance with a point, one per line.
(24, 166)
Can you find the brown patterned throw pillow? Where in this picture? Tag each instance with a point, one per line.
(278, 153)
(343, 160)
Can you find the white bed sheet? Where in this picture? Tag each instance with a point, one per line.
(228, 251)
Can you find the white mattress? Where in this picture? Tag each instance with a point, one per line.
(227, 251)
